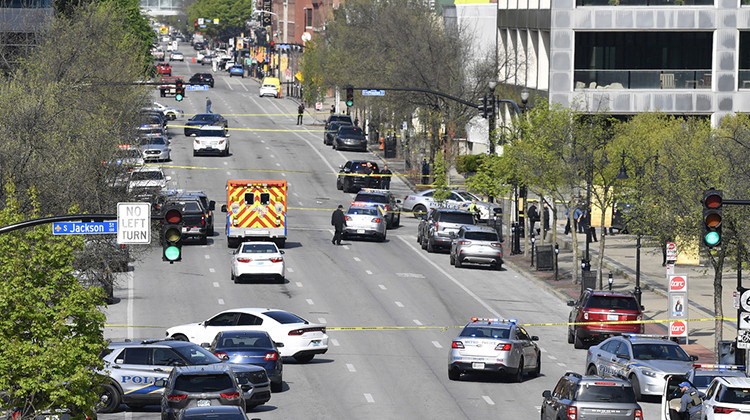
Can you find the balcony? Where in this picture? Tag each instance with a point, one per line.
(644, 79)
(580, 3)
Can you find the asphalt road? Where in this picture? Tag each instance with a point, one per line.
(366, 374)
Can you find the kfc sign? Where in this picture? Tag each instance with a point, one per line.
(677, 283)
(677, 329)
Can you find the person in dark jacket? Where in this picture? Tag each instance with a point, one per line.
(300, 112)
(385, 181)
(533, 215)
(338, 220)
(691, 401)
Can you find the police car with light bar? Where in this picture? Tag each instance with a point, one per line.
(492, 345)
(700, 376)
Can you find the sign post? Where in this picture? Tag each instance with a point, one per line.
(133, 223)
(677, 306)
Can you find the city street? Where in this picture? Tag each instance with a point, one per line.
(367, 373)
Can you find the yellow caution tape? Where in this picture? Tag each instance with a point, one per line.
(214, 168)
(255, 129)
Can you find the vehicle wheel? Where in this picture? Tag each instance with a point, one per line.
(636, 387)
(424, 242)
(570, 336)
(398, 220)
(382, 238)
(346, 187)
(459, 264)
(109, 399)
(577, 340)
(419, 237)
(498, 266)
(454, 374)
(519, 374)
(419, 211)
(430, 247)
(277, 386)
(305, 358)
(339, 185)
(195, 153)
(180, 337)
(538, 370)
(204, 240)
(452, 260)
(592, 370)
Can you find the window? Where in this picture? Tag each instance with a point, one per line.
(223, 320)
(265, 198)
(136, 356)
(203, 383)
(249, 198)
(249, 319)
(166, 357)
(308, 18)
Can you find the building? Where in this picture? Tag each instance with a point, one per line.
(20, 20)
(681, 57)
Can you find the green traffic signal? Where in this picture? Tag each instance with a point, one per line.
(712, 238)
(349, 96)
(172, 253)
(712, 217)
(171, 236)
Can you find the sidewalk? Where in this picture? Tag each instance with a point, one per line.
(620, 260)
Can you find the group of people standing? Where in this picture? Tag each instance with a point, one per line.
(581, 220)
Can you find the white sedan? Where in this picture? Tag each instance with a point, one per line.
(294, 336)
(257, 259)
(211, 139)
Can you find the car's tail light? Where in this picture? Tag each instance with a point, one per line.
(457, 345)
(503, 347)
(386, 208)
(375, 220)
(221, 354)
(307, 330)
(637, 414)
(496, 244)
(271, 356)
(203, 220)
(464, 242)
(276, 259)
(244, 260)
(175, 396)
(723, 410)
(348, 218)
(230, 395)
(572, 413)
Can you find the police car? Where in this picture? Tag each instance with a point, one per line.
(700, 376)
(388, 204)
(492, 345)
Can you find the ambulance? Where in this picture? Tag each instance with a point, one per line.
(256, 210)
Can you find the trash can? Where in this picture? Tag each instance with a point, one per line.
(545, 255)
(389, 146)
(729, 355)
(589, 279)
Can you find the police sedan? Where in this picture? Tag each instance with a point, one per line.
(492, 345)
(365, 219)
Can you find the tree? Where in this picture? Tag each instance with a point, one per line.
(440, 181)
(51, 330)
(231, 15)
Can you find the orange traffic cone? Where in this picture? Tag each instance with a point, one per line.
(193, 59)
(382, 140)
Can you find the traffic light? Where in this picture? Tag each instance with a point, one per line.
(712, 215)
(196, 23)
(349, 96)
(171, 233)
(273, 45)
(484, 107)
(179, 90)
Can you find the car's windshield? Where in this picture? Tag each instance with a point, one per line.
(481, 236)
(605, 393)
(653, 351)
(203, 383)
(239, 340)
(146, 141)
(467, 195)
(458, 218)
(146, 176)
(259, 249)
(485, 332)
(211, 133)
(350, 130)
(197, 355)
(284, 317)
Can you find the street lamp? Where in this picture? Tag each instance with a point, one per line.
(639, 172)
(491, 115)
(524, 98)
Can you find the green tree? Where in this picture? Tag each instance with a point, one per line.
(440, 180)
(232, 16)
(51, 330)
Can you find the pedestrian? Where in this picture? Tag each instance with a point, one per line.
(356, 121)
(579, 218)
(586, 225)
(300, 112)
(425, 172)
(333, 109)
(208, 105)
(338, 221)
(474, 209)
(690, 402)
(533, 215)
(545, 219)
(576, 214)
(385, 181)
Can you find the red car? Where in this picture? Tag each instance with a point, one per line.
(165, 69)
(606, 307)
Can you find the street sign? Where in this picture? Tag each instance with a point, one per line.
(677, 283)
(373, 92)
(163, 30)
(196, 87)
(743, 339)
(318, 105)
(134, 223)
(744, 320)
(678, 329)
(671, 251)
(745, 300)
(83, 228)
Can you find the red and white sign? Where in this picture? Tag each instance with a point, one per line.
(318, 105)
(678, 283)
(671, 251)
(678, 329)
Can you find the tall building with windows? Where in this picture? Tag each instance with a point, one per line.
(682, 57)
(20, 20)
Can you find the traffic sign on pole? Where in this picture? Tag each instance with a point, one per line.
(133, 223)
(373, 92)
(83, 228)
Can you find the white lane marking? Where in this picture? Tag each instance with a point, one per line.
(320, 155)
(322, 320)
(552, 357)
(350, 367)
(290, 269)
(295, 194)
(230, 86)
(368, 272)
(283, 174)
(346, 247)
(488, 400)
(272, 156)
(226, 163)
(278, 164)
(263, 141)
(268, 148)
(310, 302)
(245, 87)
(216, 284)
(335, 342)
(229, 173)
(451, 278)
(300, 203)
(399, 304)
(211, 270)
(416, 321)
(208, 257)
(436, 344)
(561, 364)
(299, 284)
(369, 398)
(382, 287)
(221, 301)
(357, 259)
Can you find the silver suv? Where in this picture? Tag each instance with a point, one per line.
(439, 227)
(480, 245)
(590, 397)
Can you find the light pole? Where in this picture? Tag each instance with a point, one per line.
(524, 99)
(491, 115)
(639, 172)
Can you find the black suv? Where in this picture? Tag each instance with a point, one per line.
(440, 226)
(208, 208)
(199, 386)
(331, 129)
(202, 79)
(338, 117)
(384, 198)
(576, 394)
(355, 175)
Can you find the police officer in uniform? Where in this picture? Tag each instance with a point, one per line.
(690, 402)
(338, 220)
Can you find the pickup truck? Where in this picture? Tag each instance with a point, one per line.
(167, 85)
(194, 218)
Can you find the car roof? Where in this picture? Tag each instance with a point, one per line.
(646, 339)
(589, 379)
(492, 322)
(208, 369)
(475, 228)
(612, 294)
(444, 210)
(212, 127)
(734, 381)
(258, 243)
(155, 343)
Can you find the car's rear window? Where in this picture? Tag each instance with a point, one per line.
(202, 117)
(146, 141)
(210, 133)
(371, 198)
(360, 167)
(458, 218)
(245, 341)
(367, 211)
(350, 130)
(259, 249)
(735, 395)
(203, 383)
(481, 236)
(191, 206)
(613, 302)
(284, 317)
(605, 393)
(485, 332)
(146, 176)
(340, 118)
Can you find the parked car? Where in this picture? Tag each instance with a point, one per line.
(700, 377)
(439, 227)
(599, 305)
(176, 56)
(211, 139)
(155, 147)
(365, 219)
(349, 137)
(421, 202)
(355, 175)
(337, 117)
(727, 398)
(575, 396)
(330, 131)
(478, 245)
(251, 347)
(172, 113)
(387, 202)
(194, 124)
